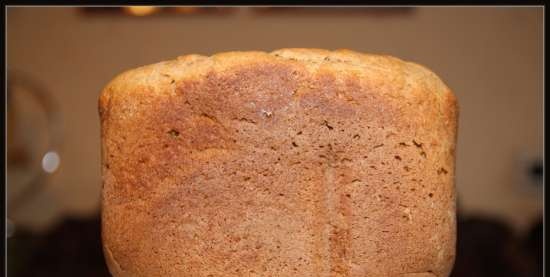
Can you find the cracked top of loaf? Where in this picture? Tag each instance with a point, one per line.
(158, 78)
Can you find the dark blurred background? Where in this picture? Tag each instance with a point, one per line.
(60, 58)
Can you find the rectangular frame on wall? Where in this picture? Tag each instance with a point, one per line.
(268, 11)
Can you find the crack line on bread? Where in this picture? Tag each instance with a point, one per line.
(331, 214)
(337, 218)
(321, 218)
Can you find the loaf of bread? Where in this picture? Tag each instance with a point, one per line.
(298, 162)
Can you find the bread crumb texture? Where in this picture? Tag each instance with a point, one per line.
(298, 162)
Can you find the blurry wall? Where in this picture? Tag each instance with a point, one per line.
(492, 59)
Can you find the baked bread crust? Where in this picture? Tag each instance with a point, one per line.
(298, 162)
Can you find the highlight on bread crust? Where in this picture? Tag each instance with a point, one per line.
(298, 162)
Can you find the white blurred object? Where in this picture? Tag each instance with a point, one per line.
(50, 161)
(34, 151)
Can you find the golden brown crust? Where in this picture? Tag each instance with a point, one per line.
(298, 162)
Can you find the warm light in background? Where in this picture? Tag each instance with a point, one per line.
(141, 10)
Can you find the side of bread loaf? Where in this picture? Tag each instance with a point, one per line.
(298, 162)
